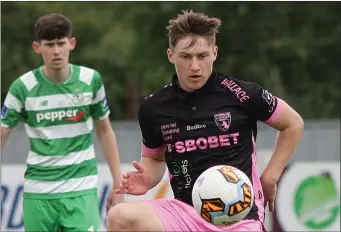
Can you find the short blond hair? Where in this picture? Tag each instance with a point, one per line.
(193, 24)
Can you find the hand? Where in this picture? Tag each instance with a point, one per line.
(134, 182)
(269, 185)
(113, 199)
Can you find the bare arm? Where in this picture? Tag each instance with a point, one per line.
(107, 141)
(155, 167)
(290, 126)
(4, 135)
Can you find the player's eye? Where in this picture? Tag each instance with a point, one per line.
(186, 57)
(202, 56)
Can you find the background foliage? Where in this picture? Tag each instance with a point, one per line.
(292, 48)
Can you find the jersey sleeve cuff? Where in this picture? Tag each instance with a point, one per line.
(4, 125)
(151, 152)
(276, 112)
(104, 116)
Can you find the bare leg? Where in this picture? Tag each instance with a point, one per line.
(133, 216)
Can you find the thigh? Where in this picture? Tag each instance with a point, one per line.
(41, 215)
(80, 213)
(246, 225)
(139, 215)
(178, 216)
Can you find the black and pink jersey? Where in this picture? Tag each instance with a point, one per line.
(214, 125)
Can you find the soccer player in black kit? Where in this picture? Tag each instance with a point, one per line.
(202, 119)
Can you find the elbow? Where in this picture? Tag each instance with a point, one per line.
(298, 125)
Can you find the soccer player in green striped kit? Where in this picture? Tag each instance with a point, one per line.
(60, 104)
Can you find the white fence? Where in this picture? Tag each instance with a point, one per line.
(308, 196)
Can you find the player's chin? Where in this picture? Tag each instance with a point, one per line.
(196, 85)
(57, 67)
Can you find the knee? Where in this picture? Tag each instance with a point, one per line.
(121, 217)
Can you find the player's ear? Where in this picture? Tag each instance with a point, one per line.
(73, 43)
(36, 47)
(215, 53)
(170, 55)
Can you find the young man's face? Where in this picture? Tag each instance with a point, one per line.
(55, 52)
(193, 63)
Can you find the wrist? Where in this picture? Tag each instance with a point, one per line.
(149, 181)
(272, 175)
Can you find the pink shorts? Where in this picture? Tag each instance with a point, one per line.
(178, 216)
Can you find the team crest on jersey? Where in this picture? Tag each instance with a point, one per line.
(77, 98)
(223, 120)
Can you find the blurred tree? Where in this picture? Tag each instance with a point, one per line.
(291, 48)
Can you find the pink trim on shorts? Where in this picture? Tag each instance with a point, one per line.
(151, 152)
(178, 216)
(279, 107)
(257, 185)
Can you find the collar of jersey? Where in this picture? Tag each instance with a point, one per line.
(207, 87)
(48, 80)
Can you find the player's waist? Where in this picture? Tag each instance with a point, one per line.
(60, 189)
(30, 195)
(47, 162)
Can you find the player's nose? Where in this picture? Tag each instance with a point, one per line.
(56, 49)
(194, 65)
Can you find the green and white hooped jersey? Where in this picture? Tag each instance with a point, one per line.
(58, 121)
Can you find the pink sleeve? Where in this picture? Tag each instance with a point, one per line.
(151, 152)
(280, 104)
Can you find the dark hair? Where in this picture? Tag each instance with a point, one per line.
(52, 26)
(192, 23)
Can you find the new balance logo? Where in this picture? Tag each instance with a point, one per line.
(44, 103)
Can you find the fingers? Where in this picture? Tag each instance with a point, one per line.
(107, 206)
(121, 189)
(138, 167)
(271, 206)
(124, 187)
(108, 203)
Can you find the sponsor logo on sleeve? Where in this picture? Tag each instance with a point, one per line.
(4, 111)
(104, 104)
(267, 96)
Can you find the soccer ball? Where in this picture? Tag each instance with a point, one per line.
(222, 195)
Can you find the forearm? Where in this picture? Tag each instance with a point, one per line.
(155, 168)
(286, 143)
(2, 144)
(3, 141)
(108, 144)
(4, 134)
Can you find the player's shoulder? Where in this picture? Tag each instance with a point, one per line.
(238, 88)
(88, 75)
(156, 99)
(228, 83)
(26, 82)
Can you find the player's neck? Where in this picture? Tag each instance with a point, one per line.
(58, 76)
